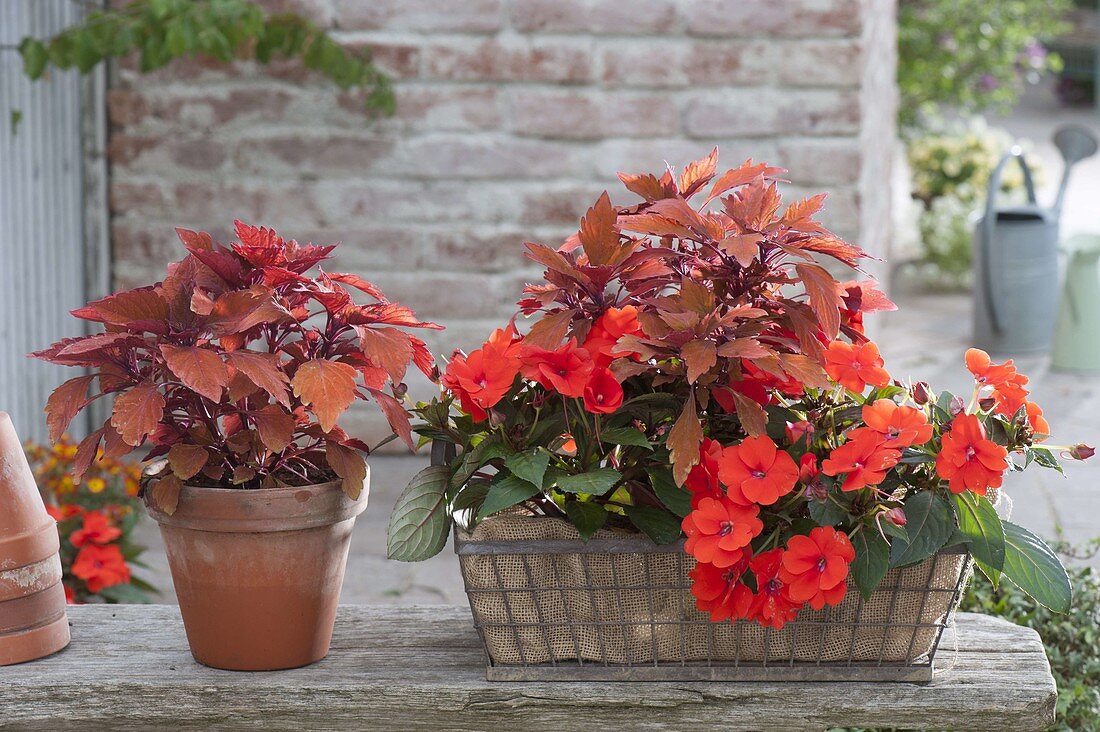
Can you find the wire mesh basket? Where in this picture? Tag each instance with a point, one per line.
(549, 606)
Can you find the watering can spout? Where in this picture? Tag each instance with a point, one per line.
(1075, 143)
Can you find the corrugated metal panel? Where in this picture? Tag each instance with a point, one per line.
(41, 213)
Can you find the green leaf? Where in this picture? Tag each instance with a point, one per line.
(981, 525)
(587, 517)
(530, 466)
(658, 524)
(505, 491)
(473, 459)
(625, 436)
(872, 560)
(675, 498)
(1035, 568)
(420, 521)
(470, 496)
(827, 513)
(34, 57)
(595, 482)
(929, 522)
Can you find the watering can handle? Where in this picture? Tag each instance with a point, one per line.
(1017, 154)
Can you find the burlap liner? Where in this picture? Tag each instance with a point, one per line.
(637, 608)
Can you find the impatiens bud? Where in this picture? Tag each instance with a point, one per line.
(799, 432)
(987, 403)
(807, 468)
(920, 393)
(400, 390)
(896, 516)
(496, 419)
(1081, 451)
(958, 406)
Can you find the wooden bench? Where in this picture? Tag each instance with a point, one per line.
(421, 668)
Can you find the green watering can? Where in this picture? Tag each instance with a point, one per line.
(1077, 336)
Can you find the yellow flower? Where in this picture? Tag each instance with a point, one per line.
(96, 485)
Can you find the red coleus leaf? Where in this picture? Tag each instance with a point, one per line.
(276, 427)
(200, 369)
(751, 415)
(238, 311)
(187, 460)
(740, 176)
(699, 356)
(358, 283)
(327, 386)
(264, 371)
(824, 298)
(388, 348)
(195, 239)
(349, 465)
(137, 413)
(140, 307)
(599, 235)
(684, 439)
(64, 404)
(396, 415)
(164, 493)
(549, 332)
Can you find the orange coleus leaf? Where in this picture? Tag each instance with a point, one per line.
(645, 185)
(85, 454)
(599, 235)
(389, 348)
(275, 426)
(396, 415)
(824, 298)
(698, 173)
(550, 330)
(683, 441)
(200, 369)
(699, 357)
(327, 386)
(742, 247)
(237, 311)
(804, 369)
(349, 465)
(740, 176)
(799, 214)
(137, 413)
(833, 247)
(752, 416)
(64, 403)
(187, 460)
(264, 371)
(164, 494)
(143, 304)
(358, 283)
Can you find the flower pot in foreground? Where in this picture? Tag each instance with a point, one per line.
(619, 607)
(258, 572)
(32, 600)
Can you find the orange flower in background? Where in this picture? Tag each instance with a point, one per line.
(863, 459)
(482, 378)
(814, 567)
(564, 370)
(97, 529)
(720, 592)
(855, 366)
(702, 481)
(63, 512)
(718, 529)
(606, 332)
(756, 471)
(602, 394)
(900, 426)
(968, 460)
(772, 606)
(101, 567)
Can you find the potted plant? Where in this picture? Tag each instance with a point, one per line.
(694, 464)
(233, 372)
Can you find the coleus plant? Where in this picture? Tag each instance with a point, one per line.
(237, 366)
(693, 372)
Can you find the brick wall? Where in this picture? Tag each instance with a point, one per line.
(512, 116)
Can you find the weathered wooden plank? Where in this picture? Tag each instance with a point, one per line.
(421, 668)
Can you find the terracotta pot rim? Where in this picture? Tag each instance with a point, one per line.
(29, 547)
(262, 510)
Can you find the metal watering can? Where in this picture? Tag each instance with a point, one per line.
(1016, 257)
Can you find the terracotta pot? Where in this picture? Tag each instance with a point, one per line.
(32, 599)
(258, 572)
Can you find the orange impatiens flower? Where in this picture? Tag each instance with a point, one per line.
(854, 366)
(718, 529)
(1038, 422)
(720, 592)
(602, 394)
(772, 606)
(968, 460)
(606, 332)
(702, 481)
(101, 567)
(97, 529)
(482, 378)
(988, 373)
(900, 426)
(815, 567)
(564, 370)
(863, 459)
(756, 471)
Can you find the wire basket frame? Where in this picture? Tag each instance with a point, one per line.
(621, 608)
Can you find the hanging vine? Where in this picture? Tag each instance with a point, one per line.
(225, 30)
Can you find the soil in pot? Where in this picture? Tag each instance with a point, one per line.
(258, 572)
